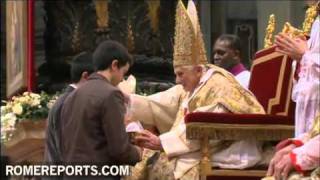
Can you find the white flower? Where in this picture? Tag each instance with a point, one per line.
(35, 102)
(22, 99)
(35, 96)
(3, 109)
(10, 118)
(17, 109)
(8, 122)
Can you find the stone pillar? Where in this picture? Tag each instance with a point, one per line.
(218, 18)
(39, 29)
(205, 19)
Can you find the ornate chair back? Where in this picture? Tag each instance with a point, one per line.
(271, 82)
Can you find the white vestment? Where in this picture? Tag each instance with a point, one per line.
(306, 92)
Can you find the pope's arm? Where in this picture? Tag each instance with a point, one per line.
(175, 142)
(225, 96)
(158, 110)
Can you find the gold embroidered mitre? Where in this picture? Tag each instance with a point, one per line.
(189, 48)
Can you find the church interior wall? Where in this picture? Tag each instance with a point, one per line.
(216, 17)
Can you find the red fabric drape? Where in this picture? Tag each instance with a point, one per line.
(30, 47)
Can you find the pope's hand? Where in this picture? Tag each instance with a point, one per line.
(148, 140)
(128, 86)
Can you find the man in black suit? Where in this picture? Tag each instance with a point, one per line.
(81, 68)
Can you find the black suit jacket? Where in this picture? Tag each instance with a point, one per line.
(52, 144)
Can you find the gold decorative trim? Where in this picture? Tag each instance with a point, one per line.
(153, 13)
(289, 92)
(220, 131)
(235, 172)
(102, 12)
(265, 59)
(276, 100)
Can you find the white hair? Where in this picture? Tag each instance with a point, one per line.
(191, 67)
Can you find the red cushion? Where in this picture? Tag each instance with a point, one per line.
(228, 118)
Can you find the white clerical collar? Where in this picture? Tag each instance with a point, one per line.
(202, 81)
(206, 76)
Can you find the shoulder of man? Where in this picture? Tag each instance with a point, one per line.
(59, 102)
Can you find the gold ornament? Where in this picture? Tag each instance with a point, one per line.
(310, 16)
(153, 7)
(292, 31)
(269, 31)
(102, 13)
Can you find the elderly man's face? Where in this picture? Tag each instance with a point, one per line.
(188, 76)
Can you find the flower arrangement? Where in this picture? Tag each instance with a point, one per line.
(28, 106)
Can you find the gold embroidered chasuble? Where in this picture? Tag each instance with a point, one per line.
(219, 93)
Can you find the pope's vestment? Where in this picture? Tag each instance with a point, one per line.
(218, 91)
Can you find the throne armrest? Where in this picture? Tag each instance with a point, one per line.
(205, 126)
(226, 126)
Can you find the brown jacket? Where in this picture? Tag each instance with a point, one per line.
(93, 129)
